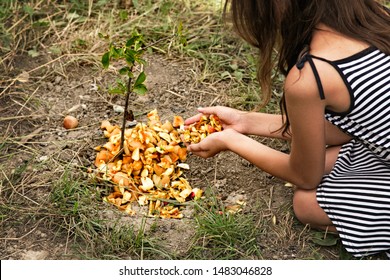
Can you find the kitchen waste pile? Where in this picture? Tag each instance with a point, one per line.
(150, 169)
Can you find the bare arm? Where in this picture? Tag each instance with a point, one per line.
(268, 125)
(271, 125)
(306, 115)
(262, 124)
(249, 123)
(305, 166)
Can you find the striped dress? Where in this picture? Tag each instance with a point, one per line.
(356, 194)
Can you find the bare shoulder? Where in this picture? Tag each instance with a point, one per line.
(332, 45)
(301, 84)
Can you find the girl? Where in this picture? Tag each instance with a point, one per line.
(335, 56)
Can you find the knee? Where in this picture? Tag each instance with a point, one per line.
(300, 206)
(308, 211)
(303, 206)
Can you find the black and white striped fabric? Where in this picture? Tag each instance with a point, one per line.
(367, 75)
(356, 194)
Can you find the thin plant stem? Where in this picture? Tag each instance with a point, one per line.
(126, 113)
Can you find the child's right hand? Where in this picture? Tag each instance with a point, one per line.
(213, 144)
(230, 118)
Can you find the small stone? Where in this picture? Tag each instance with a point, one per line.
(35, 255)
(74, 108)
(58, 79)
(118, 109)
(43, 158)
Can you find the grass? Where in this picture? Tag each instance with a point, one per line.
(66, 32)
(221, 235)
(56, 197)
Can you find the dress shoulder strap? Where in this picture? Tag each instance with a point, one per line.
(309, 58)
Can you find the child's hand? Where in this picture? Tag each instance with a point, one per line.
(212, 144)
(230, 118)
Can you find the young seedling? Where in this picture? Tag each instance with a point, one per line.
(130, 54)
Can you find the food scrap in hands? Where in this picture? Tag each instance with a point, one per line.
(199, 130)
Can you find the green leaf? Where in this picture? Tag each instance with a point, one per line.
(106, 60)
(140, 89)
(119, 88)
(130, 74)
(116, 52)
(130, 57)
(133, 41)
(140, 60)
(121, 84)
(124, 70)
(328, 240)
(116, 91)
(140, 79)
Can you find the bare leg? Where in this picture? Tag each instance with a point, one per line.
(308, 211)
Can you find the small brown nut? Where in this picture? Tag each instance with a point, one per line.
(70, 122)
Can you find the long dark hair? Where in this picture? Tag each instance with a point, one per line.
(281, 28)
